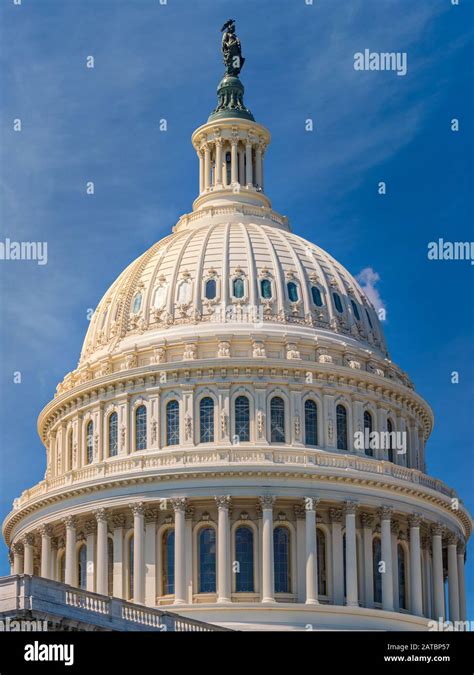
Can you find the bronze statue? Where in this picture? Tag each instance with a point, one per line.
(231, 49)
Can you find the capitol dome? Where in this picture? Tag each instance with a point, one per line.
(206, 452)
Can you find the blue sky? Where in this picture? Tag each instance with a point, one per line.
(155, 61)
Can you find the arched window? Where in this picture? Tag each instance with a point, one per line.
(238, 288)
(82, 567)
(266, 289)
(131, 556)
(337, 302)
(390, 444)
(207, 560)
(402, 583)
(355, 309)
(211, 289)
(292, 291)
(341, 424)
(90, 441)
(110, 565)
(368, 426)
(206, 420)
(311, 422)
(322, 572)
(172, 423)
(277, 420)
(317, 297)
(377, 557)
(113, 434)
(368, 318)
(137, 303)
(140, 428)
(242, 418)
(228, 164)
(167, 558)
(281, 549)
(244, 579)
(69, 449)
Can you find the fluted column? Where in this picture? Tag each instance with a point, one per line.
(219, 162)
(46, 532)
(461, 582)
(268, 573)
(426, 554)
(352, 599)
(311, 552)
(70, 575)
(453, 582)
(223, 550)
(337, 556)
(416, 589)
(258, 167)
(248, 164)
(102, 562)
(28, 544)
(118, 523)
(150, 556)
(234, 167)
(90, 529)
(241, 154)
(438, 582)
(201, 171)
(395, 528)
(367, 525)
(387, 580)
(17, 558)
(179, 506)
(138, 553)
(207, 167)
(53, 559)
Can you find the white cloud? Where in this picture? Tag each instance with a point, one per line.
(368, 278)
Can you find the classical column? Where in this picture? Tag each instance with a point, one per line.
(438, 582)
(90, 528)
(201, 170)
(416, 589)
(219, 162)
(46, 532)
(387, 580)
(28, 543)
(179, 506)
(462, 587)
(350, 509)
(427, 576)
(53, 559)
(268, 573)
(234, 168)
(337, 557)
(17, 558)
(241, 166)
(311, 552)
(248, 164)
(118, 523)
(453, 581)
(258, 166)
(300, 515)
(188, 547)
(138, 553)
(150, 556)
(367, 525)
(395, 528)
(102, 585)
(70, 576)
(223, 550)
(207, 167)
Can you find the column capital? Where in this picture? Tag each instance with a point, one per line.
(386, 512)
(350, 507)
(17, 548)
(367, 519)
(137, 509)
(437, 529)
(118, 520)
(90, 526)
(70, 522)
(29, 539)
(151, 515)
(189, 512)
(46, 530)
(266, 502)
(461, 547)
(299, 511)
(335, 515)
(395, 527)
(223, 502)
(452, 539)
(415, 520)
(310, 503)
(100, 515)
(179, 503)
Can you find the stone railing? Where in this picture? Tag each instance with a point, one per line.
(59, 604)
(181, 459)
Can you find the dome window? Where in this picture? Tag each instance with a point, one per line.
(368, 318)
(238, 288)
(292, 291)
(266, 289)
(137, 303)
(317, 297)
(337, 302)
(355, 309)
(211, 289)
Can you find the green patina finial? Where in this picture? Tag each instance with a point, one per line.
(230, 92)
